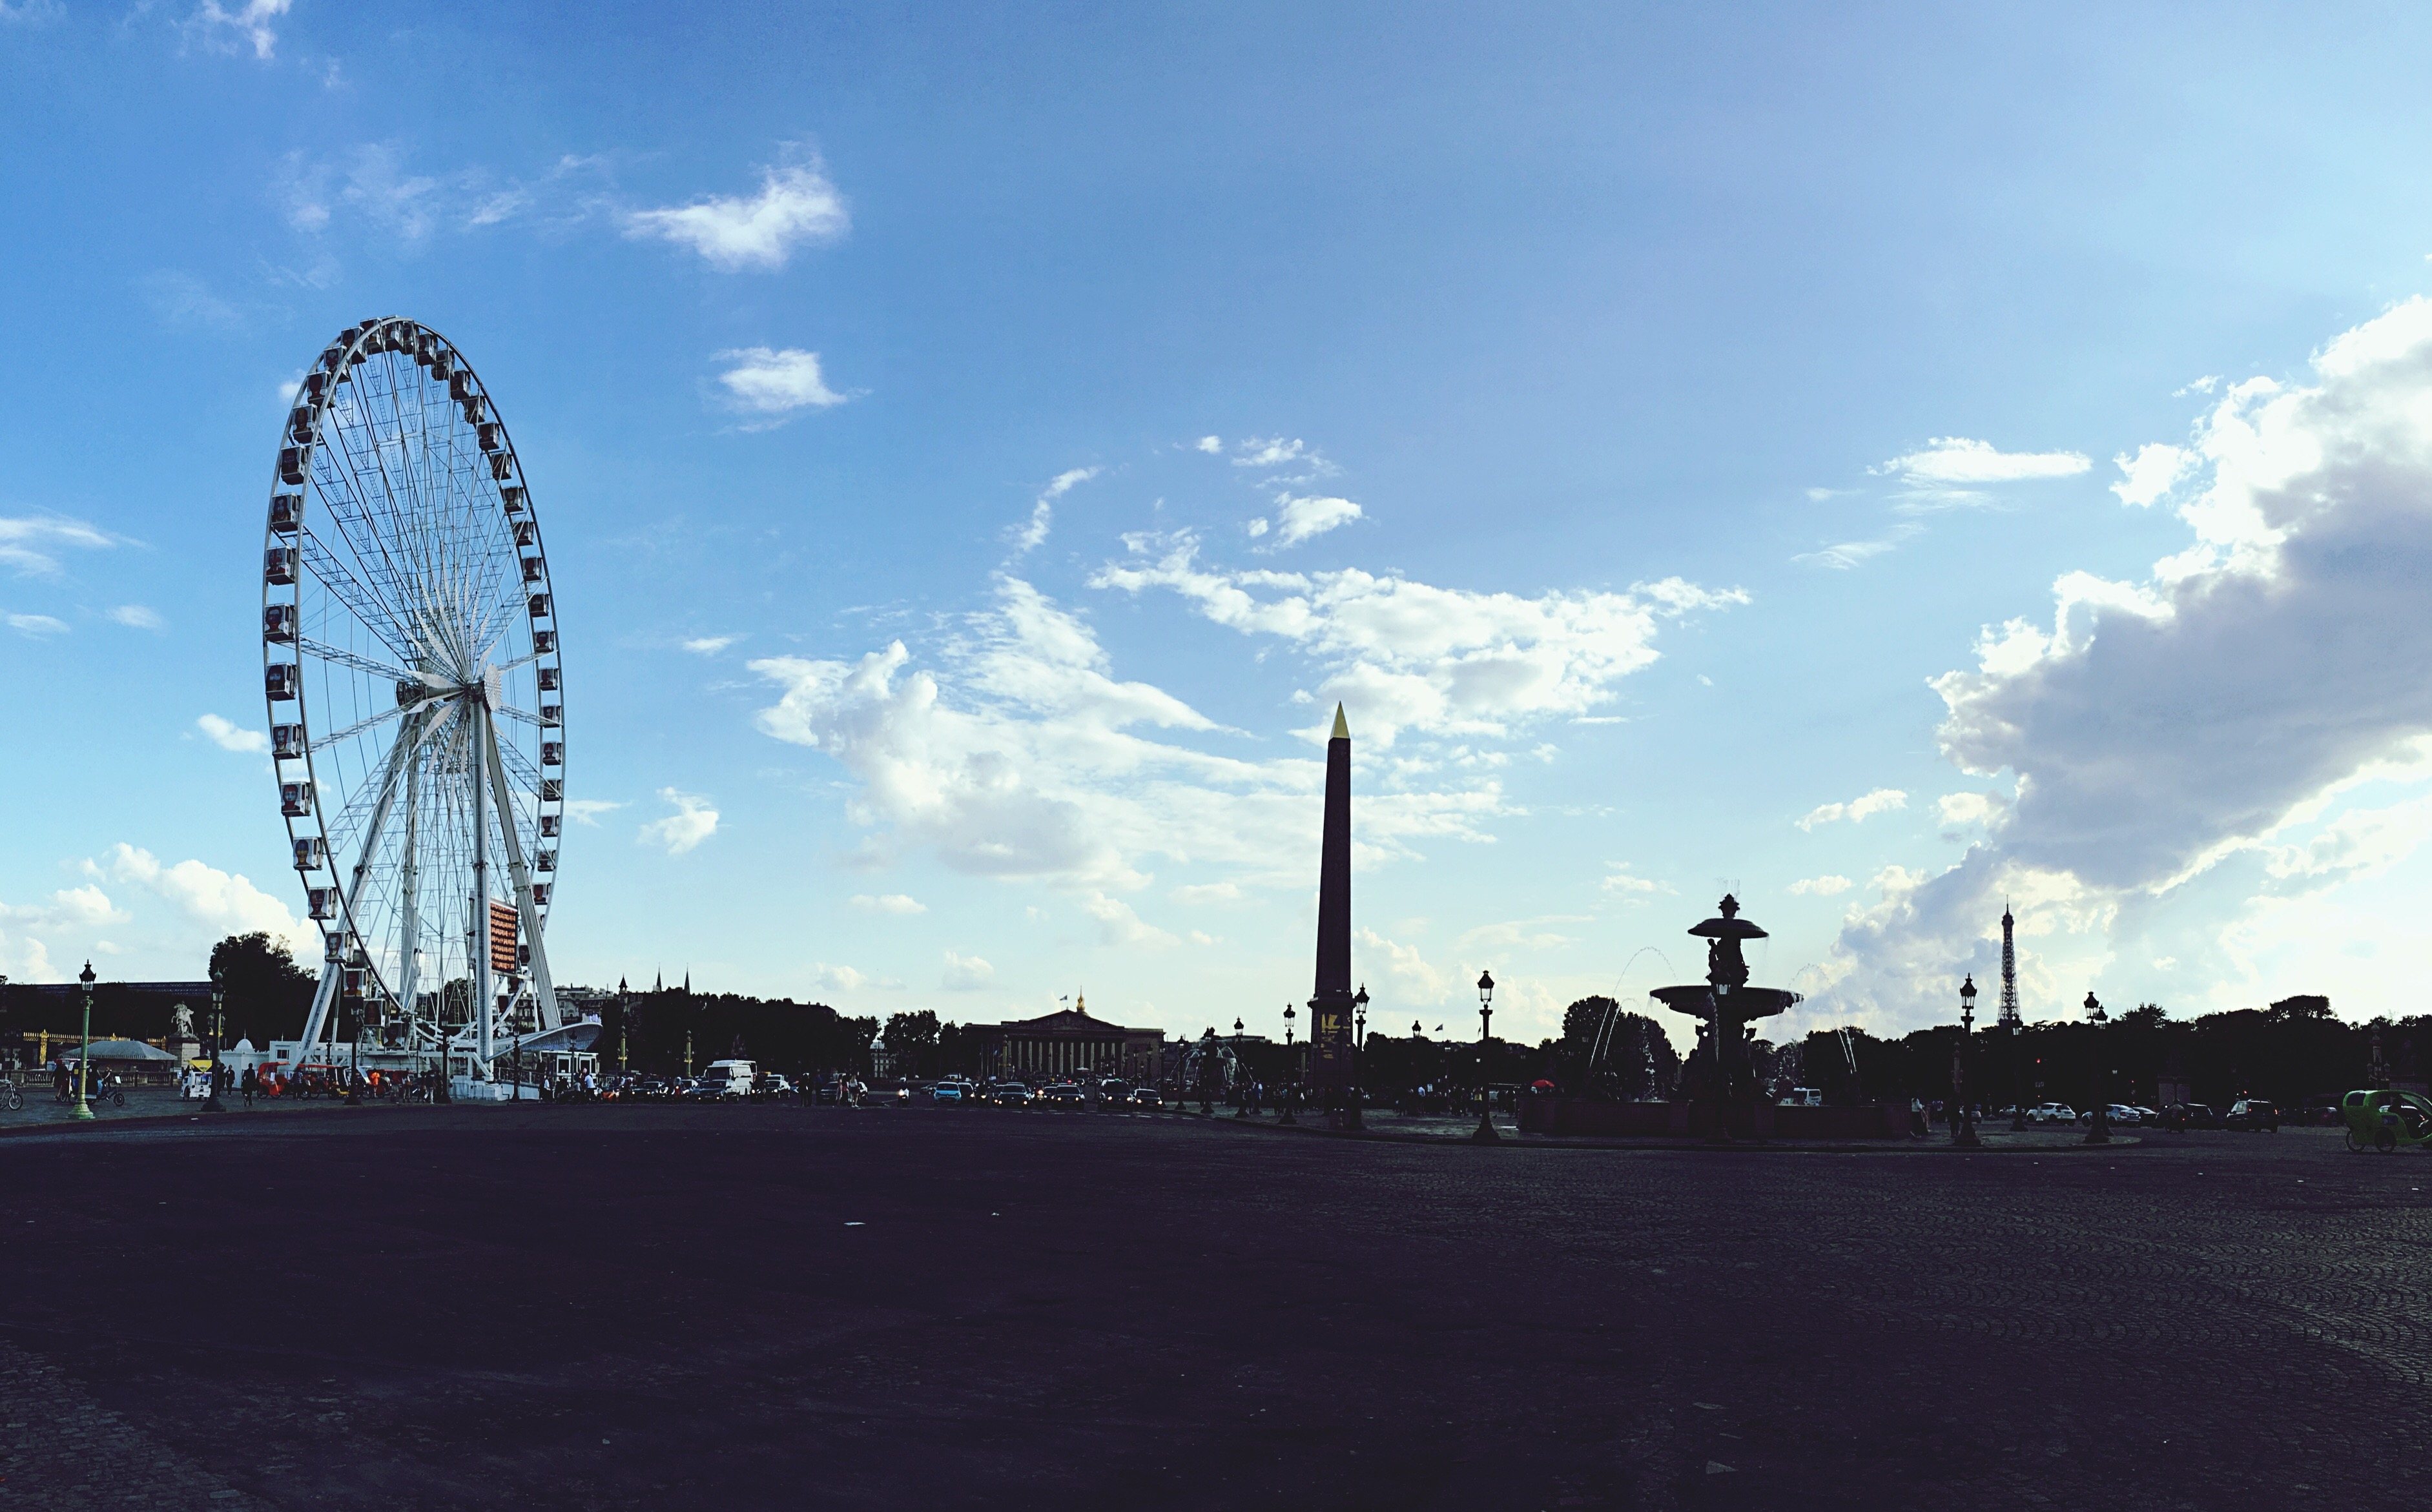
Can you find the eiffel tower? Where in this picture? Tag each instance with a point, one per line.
(2009, 1019)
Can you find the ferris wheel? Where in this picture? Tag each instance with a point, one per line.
(409, 662)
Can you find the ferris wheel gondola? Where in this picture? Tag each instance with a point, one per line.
(411, 666)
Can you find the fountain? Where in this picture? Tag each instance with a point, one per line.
(1720, 1098)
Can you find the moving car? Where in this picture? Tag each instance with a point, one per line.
(2254, 1116)
(1065, 1098)
(731, 1079)
(1146, 1096)
(1010, 1095)
(949, 1090)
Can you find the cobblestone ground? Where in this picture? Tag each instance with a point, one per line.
(749, 1306)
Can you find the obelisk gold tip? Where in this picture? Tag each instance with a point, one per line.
(1341, 729)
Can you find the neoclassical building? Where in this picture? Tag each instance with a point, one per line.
(1071, 1043)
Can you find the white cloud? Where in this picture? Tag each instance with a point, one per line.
(135, 616)
(1118, 925)
(966, 973)
(2152, 472)
(1821, 887)
(1198, 894)
(1620, 881)
(587, 810)
(900, 903)
(693, 822)
(1273, 452)
(836, 978)
(2167, 735)
(710, 645)
(36, 627)
(1857, 811)
(1299, 519)
(1043, 513)
(1017, 755)
(1212, 445)
(797, 205)
(221, 30)
(1443, 661)
(1971, 808)
(219, 901)
(184, 301)
(27, 543)
(1414, 980)
(1949, 461)
(775, 384)
(1849, 554)
(229, 736)
(31, 12)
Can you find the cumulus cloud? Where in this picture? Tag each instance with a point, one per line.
(1858, 810)
(2169, 737)
(828, 978)
(1415, 980)
(29, 544)
(1017, 755)
(230, 736)
(2147, 476)
(899, 903)
(1444, 661)
(775, 385)
(1043, 513)
(1971, 808)
(966, 973)
(692, 822)
(797, 205)
(1212, 445)
(213, 27)
(220, 902)
(1272, 451)
(1821, 887)
(1298, 519)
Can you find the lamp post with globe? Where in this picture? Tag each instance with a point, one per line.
(1963, 1129)
(1291, 1071)
(1485, 1134)
(84, 1056)
(1241, 1084)
(1360, 1035)
(2099, 1132)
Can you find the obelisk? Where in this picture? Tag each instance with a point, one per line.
(1330, 1009)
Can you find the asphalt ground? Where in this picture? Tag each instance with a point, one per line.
(770, 1305)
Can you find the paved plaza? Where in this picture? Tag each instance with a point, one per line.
(774, 1305)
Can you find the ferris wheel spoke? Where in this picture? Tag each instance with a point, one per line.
(325, 742)
(362, 602)
(361, 664)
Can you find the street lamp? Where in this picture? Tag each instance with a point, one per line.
(1360, 1012)
(2100, 1132)
(84, 1056)
(219, 996)
(1292, 1068)
(1963, 1130)
(1241, 1091)
(1485, 1134)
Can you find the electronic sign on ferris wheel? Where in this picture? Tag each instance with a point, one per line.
(411, 665)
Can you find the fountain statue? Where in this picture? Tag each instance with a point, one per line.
(1719, 1075)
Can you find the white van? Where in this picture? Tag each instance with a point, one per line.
(730, 1079)
(1803, 1096)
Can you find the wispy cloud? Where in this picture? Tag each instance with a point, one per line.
(1858, 810)
(228, 735)
(27, 543)
(966, 973)
(1042, 513)
(37, 626)
(215, 28)
(898, 904)
(1951, 471)
(710, 645)
(1844, 555)
(136, 616)
(797, 205)
(1821, 887)
(184, 301)
(775, 384)
(693, 822)
(587, 810)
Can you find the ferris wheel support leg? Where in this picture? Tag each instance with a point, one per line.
(543, 992)
(483, 1009)
(409, 735)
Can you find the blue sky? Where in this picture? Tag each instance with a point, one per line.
(977, 447)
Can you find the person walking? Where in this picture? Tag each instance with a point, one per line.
(248, 1083)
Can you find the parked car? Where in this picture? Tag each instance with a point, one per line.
(2052, 1113)
(1065, 1098)
(769, 1085)
(2184, 1116)
(2119, 1114)
(1146, 1096)
(1010, 1095)
(1803, 1096)
(2146, 1114)
(2254, 1116)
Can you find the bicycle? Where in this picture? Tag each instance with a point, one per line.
(12, 1100)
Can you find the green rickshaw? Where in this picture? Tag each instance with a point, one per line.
(2385, 1119)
